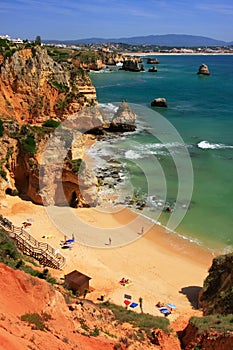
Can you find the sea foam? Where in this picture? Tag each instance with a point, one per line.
(208, 145)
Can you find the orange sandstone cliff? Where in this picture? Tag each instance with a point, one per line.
(34, 88)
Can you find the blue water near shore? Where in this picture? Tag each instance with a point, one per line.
(200, 108)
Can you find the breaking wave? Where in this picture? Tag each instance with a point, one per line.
(141, 151)
(208, 145)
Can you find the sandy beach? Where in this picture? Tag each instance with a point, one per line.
(161, 266)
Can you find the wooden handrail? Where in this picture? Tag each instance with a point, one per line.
(22, 237)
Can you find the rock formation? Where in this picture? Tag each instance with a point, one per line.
(209, 333)
(152, 61)
(33, 87)
(216, 296)
(203, 70)
(124, 119)
(98, 60)
(46, 171)
(153, 69)
(159, 102)
(131, 65)
(89, 120)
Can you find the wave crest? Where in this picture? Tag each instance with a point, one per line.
(207, 145)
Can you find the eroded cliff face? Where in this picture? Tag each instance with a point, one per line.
(34, 88)
(194, 337)
(50, 176)
(70, 324)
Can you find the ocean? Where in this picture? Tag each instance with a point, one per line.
(180, 159)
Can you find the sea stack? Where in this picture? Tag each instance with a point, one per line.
(203, 70)
(153, 69)
(152, 61)
(124, 119)
(159, 102)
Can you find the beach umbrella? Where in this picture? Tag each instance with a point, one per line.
(164, 310)
(172, 306)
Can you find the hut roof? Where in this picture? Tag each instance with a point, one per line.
(77, 277)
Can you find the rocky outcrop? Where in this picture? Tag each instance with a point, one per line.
(152, 61)
(33, 87)
(159, 102)
(206, 334)
(132, 65)
(216, 296)
(124, 119)
(111, 58)
(153, 69)
(51, 175)
(203, 70)
(90, 120)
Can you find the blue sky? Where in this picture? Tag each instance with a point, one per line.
(76, 19)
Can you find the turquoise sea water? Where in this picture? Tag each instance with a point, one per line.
(200, 109)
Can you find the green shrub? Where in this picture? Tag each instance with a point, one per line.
(1, 128)
(29, 144)
(45, 275)
(87, 57)
(59, 86)
(76, 164)
(143, 321)
(51, 123)
(84, 325)
(3, 174)
(37, 321)
(217, 322)
(95, 332)
(8, 250)
(61, 104)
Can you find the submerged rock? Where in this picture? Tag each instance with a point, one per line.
(203, 70)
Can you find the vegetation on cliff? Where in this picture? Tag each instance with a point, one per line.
(145, 322)
(217, 294)
(10, 255)
(218, 323)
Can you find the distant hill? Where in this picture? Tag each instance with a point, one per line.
(173, 40)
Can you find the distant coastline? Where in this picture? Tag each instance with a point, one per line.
(144, 54)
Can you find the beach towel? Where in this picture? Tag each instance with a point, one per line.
(125, 284)
(133, 305)
(127, 296)
(127, 302)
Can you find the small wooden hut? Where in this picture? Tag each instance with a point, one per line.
(77, 281)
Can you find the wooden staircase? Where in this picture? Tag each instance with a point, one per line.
(43, 252)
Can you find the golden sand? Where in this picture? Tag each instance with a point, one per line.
(161, 266)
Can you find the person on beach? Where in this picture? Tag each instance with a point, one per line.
(109, 241)
(142, 230)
